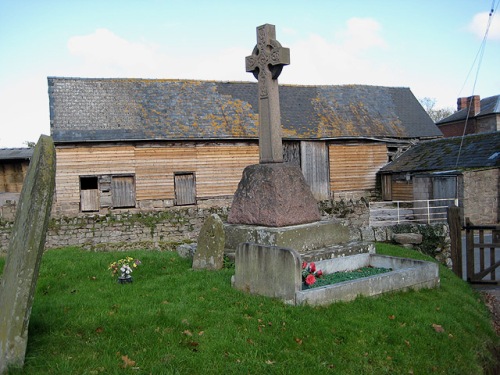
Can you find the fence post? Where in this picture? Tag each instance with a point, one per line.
(398, 212)
(469, 254)
(453, 217)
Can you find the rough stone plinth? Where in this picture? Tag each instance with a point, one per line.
(210, 249)
(24, 255)
(274, 195)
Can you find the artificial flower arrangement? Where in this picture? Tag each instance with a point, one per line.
(310, 273)
(125, 266)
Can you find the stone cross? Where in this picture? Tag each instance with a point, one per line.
(24, 254)
(266, 62)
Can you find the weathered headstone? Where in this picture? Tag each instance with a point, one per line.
(268, 270)
(210, 249)
(24, 254)
(271, 193)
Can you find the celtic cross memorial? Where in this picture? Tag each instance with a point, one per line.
(266, 62)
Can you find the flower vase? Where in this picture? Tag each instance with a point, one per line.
(125, 279)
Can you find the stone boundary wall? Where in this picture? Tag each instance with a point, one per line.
(166, 229)
(481, 201)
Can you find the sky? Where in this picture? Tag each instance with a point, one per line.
(434, 47)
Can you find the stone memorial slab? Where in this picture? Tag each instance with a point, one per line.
(210, 249)
(24, 254)
(268, 270)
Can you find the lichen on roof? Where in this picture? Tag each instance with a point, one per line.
(138, 109)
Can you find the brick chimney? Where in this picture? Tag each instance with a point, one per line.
(466, 102)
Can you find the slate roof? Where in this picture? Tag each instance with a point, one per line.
(16, 153)
(87, 109)
(488, 106)
(476, 151)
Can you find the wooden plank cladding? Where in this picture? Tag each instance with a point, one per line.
(354, 166)
(181, 173)
(217, 169)
(402, 191)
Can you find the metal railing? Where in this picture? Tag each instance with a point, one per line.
(424, 211)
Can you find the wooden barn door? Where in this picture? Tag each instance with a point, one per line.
(185, 189)
(315, 168)
(386, 180)
(89, 194)
(123, 191)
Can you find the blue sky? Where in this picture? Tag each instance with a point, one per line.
(428, 46)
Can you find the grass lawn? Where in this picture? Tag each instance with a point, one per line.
(172, 320)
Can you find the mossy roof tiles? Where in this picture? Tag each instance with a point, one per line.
(455, 153)
(86, 109)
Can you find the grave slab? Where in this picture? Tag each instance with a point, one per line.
(24, 254)
(302, 238)
(267, 270)
(276, 272)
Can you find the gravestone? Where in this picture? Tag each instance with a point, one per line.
(210, 249)
(24, 254)
(270, 271)
(271, 193)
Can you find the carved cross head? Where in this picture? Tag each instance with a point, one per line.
(268, 57)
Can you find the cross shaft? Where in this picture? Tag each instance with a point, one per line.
(266, 62)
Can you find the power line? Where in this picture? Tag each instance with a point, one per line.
(479, 54)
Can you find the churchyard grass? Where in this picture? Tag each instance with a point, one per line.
(174, 320)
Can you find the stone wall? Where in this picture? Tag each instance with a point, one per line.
(165, 229)
(160, 230)
(481, 200)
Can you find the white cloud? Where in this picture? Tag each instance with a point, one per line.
(362, 34)
(479, 23)
(345, 60)
(26, 111)
(105, 53)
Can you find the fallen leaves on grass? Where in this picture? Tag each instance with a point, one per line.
(438, 328)
(127, 362)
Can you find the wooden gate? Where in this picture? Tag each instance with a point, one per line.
(482, 249)
(482, 253)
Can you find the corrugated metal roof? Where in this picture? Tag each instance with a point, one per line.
(15, 153)
(473, 151)
(488, 106)
(85, 109)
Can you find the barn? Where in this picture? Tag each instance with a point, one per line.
(148, 144)
(14, 164)
(465, 169)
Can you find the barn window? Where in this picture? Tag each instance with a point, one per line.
(185, 188)
(123, 191)
(89, 194)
